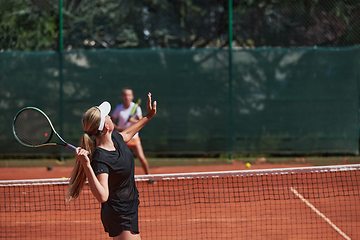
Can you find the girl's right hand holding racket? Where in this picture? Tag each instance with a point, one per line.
(83, 156)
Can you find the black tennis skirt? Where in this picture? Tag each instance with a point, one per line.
(115, 224)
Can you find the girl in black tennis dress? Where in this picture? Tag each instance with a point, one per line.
(108, 164)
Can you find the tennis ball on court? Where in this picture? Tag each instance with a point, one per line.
(248, 165)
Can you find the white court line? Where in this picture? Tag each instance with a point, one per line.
(210, 219)
(54, 221)
(319, 213)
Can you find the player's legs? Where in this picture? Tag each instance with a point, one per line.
(128, 235)
(135, 146)
(139, 153)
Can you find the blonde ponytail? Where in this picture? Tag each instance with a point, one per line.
(90, 122)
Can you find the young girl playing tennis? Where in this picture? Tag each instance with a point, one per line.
(108, 164)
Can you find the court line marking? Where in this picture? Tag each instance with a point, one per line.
(210, 219)
(54, 221)
(319, 213)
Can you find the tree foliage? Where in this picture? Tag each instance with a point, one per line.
(28, 25)
(184, 24)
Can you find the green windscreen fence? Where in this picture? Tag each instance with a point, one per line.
(280, 101)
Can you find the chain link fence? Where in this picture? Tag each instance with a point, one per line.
(287, 84)
(38, 25)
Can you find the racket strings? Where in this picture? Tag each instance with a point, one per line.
(32, 128)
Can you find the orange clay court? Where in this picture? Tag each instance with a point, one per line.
(254, 207)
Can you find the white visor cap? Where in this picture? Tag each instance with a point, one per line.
(104, 108)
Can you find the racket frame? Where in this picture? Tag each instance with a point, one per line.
(64, 143)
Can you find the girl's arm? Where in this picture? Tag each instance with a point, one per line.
(128, 133)
(98, 185)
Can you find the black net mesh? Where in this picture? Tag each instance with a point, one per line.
(298, 203)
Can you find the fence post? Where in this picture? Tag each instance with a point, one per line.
(61, 48)
(230, 81)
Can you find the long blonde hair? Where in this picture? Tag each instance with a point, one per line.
(90, 122)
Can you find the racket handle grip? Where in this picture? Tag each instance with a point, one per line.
(70, 147)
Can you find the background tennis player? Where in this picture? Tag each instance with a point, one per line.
(123, 118)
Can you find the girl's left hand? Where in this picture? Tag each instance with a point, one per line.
(151, 109)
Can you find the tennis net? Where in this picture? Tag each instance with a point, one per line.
(289, 203)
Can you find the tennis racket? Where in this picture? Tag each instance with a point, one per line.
(134, 109)
(33, 128)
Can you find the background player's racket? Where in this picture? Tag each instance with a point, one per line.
(32, 128)
(134, 109)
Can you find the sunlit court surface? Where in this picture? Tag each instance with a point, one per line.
(280, 203)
